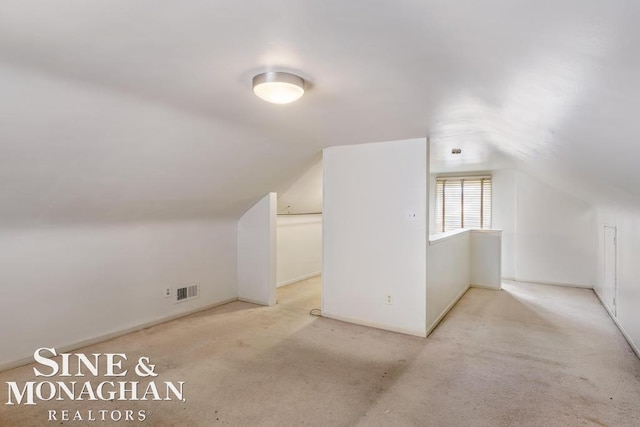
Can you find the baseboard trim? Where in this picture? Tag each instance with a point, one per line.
(298, 279)
(624, 333)
(375, 325)
(541, 282)
(106, 337)
(254, 301)
(493, 288)
(435, 323)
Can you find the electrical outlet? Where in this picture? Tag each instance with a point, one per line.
(167, 292)
(389, 300)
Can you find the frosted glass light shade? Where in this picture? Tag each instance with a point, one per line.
(278, 87)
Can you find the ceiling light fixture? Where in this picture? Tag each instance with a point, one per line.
(278, 87)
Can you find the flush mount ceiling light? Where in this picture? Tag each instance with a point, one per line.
(278, 87)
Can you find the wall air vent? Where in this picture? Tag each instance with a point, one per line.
(187, 293)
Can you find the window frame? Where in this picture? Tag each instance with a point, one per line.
(441, 210)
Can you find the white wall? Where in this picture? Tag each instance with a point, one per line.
(457, 260)
(432, 204)
(64, 285)
(448, 275)
(547, 233)
(257, 252)
(503, 216)
(371, 247)
(485, 264)
(555, 242)
(503, 210)
(627, 222)
(299, 248)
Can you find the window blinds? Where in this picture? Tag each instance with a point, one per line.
(463, 203)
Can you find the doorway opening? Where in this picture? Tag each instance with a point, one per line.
(299, 237)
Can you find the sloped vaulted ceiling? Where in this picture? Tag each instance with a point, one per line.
(124, 110)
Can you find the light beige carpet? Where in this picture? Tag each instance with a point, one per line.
(530, 355)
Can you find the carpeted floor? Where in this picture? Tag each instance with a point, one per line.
(529, 355)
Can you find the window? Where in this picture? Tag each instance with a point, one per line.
(463, 202)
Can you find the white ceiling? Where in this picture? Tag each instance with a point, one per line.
(126, 110)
